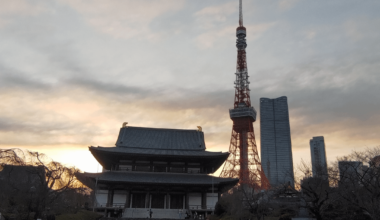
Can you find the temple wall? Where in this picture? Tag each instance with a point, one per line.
(195, 200)
(212, 198)
(119, 197)
(101, 197)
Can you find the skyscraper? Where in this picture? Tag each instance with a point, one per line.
(276, 145)
(318, 156)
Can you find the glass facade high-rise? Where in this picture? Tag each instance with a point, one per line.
(318, 157)
(276, 145)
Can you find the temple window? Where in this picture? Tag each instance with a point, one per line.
(193, 170)
(177, 167)
(123, 167)
(142, 166)
(212, 199)
(195, 200)
(101, 197)
(159, 166)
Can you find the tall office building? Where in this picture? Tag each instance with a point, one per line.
(276, 145)
(318, 157)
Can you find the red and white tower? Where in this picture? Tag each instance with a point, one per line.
(243, 162)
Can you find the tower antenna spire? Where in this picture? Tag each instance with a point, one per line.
(240, 13)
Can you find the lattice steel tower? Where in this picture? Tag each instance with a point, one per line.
(243, 162)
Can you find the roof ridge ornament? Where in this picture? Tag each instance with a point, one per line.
(199, 136)
(125, 124)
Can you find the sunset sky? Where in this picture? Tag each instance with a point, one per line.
(72, 71)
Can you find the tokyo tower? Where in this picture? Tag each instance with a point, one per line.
(243, 162)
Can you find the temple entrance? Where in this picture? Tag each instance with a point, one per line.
(138, 200)
(158, 201)
(176, 201)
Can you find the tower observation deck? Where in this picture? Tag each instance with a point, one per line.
(243, 161)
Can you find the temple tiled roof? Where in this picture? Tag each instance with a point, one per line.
(160, 138)
(163, 152)
(159, 178)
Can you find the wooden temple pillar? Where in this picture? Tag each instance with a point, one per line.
(186, 167)
(128, 199)
(167, 201)
(187, 200)
(147, 200)
(110, 197)
(204, 200)
(133, 165)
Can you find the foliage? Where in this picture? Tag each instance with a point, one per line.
(286, 217)
(220, 207)
(360, 187)
(213, 217)
(243, 203)
(33, 183)
(347, 191)
(230, 207)
(80, 215)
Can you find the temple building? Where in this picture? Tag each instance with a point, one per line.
(157, 173)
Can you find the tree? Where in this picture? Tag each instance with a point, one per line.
(350, 190)
(359, 181)
(231, 206)
(245, 203)
(31, 182)
(316, 193)
(257, 203)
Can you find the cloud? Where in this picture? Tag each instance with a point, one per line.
(69, 113)
(217, 24)
(83, 111)
(125, 19)
(211, 16)
(287, 4)
(254, 31)
(209, 39)
(69, 78)
(211, 23)
(9, 9)
(15, 79)
(335, 98)
(361, 29)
